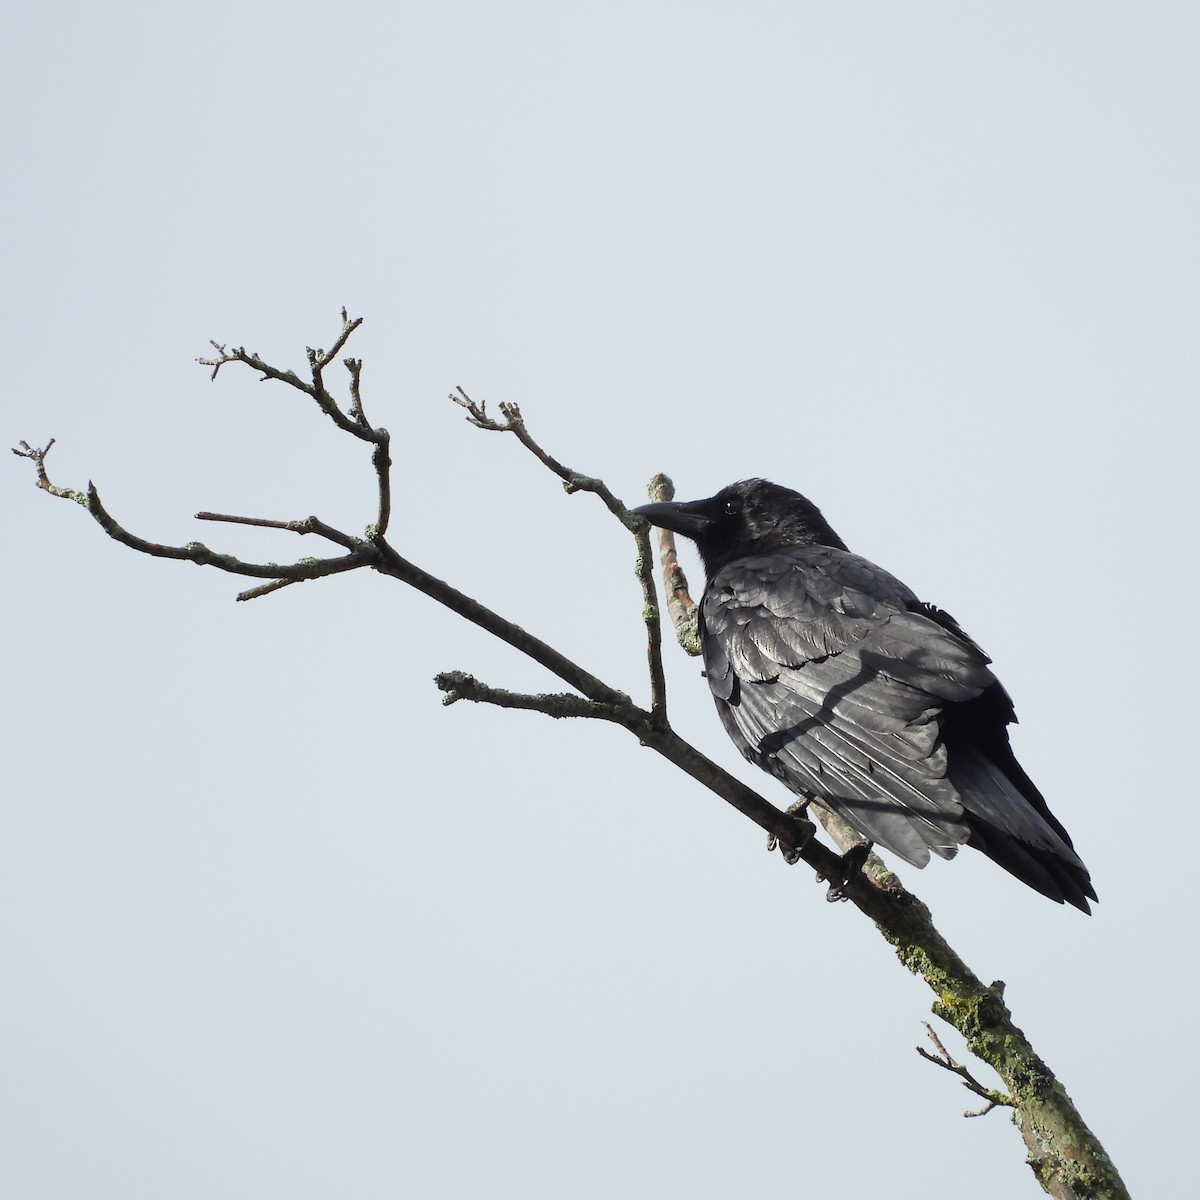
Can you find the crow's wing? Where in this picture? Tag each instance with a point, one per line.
(828, 673)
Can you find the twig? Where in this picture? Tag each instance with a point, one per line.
(257, 522)
(680, 606)
(573, 481)
(306, 525)
(381, 460)
(266, 589)
(38, 458)
(994, 1098)
(457, 685)
(352, 421)
(354, 366)
(324, 357)
(318, 360)
(251, 359)
(654, 662)
(514, 423)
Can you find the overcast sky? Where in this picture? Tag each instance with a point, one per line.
(275, 923)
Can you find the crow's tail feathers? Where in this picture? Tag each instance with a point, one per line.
(1010, 822)
(1043, 870)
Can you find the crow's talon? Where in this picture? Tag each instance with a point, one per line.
(805, 830)
(849, 865)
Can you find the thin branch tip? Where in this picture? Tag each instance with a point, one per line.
(24, 450)
(37, 456)
(265, 590)
(477, 413)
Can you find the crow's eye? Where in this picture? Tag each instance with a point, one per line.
(732, 505)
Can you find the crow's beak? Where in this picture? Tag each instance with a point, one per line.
(689, 519)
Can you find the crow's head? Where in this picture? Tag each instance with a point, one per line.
(753, 516)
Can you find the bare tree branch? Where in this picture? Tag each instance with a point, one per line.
(1067, 1159)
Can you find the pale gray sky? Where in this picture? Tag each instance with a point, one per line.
(277, 924)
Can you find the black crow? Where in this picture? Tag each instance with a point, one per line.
(830, 674)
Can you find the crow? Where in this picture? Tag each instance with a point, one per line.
(831, 675)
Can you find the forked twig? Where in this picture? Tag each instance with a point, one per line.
(994, 1098)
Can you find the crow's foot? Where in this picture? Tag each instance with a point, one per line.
(790, 848)
(849, 865)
